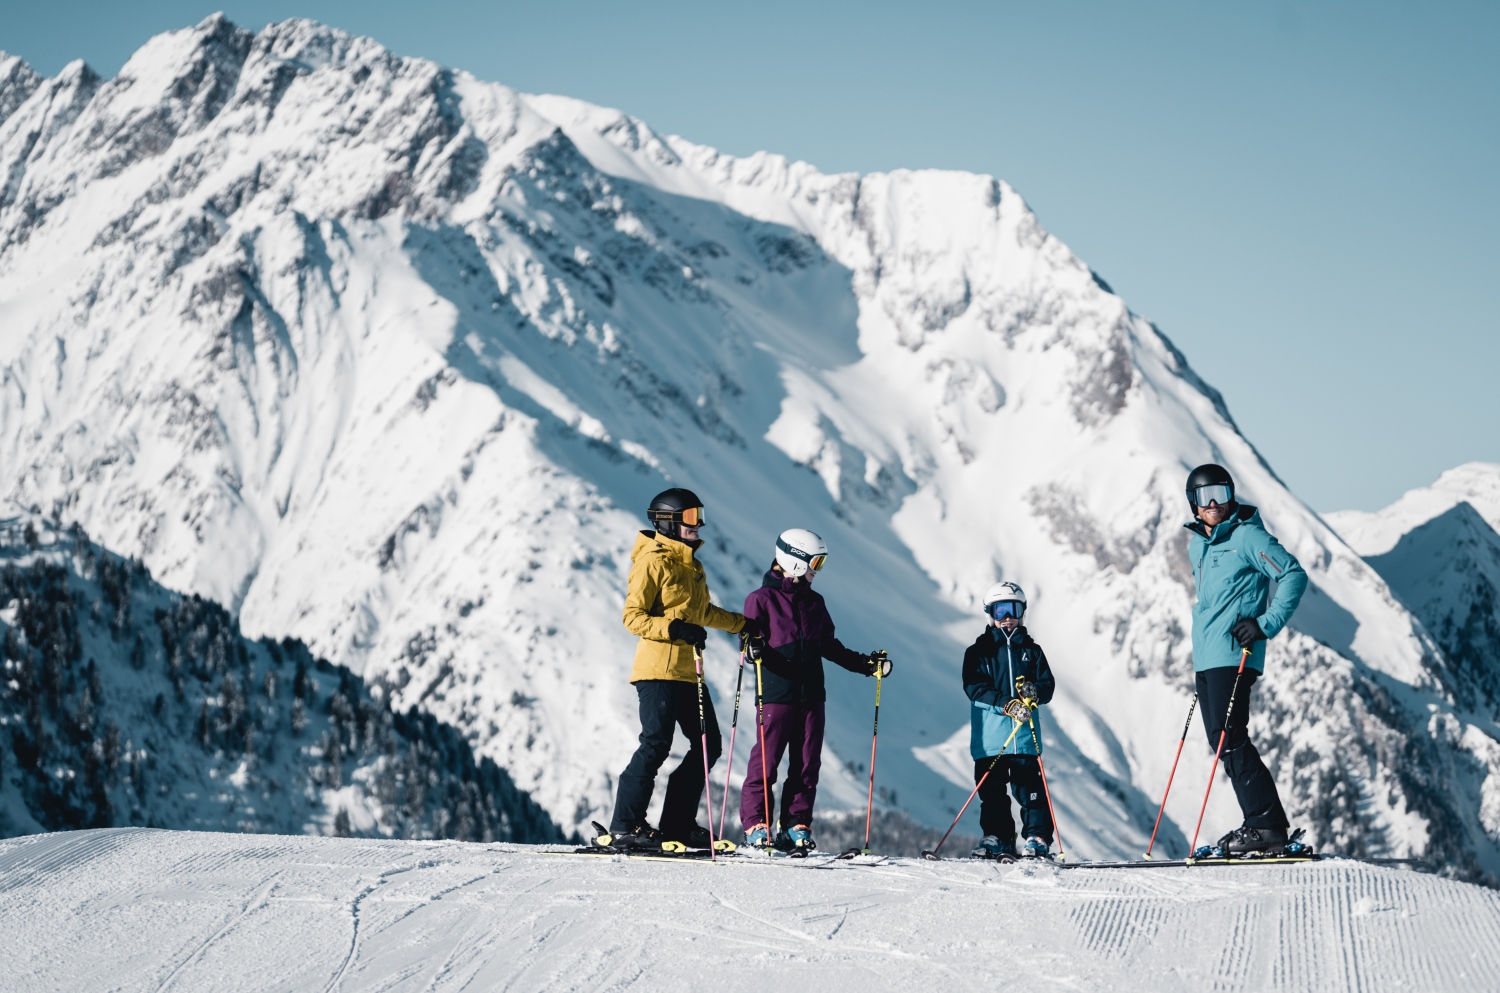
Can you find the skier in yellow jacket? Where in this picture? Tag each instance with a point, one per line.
(667, 607)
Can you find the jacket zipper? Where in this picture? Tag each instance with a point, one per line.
(1273, 565)
(1010, 665)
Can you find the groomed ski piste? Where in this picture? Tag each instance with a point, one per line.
(134, 909)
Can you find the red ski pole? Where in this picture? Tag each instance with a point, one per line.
(729, 766)
(874, 737)
(1171, 775)
(1062, 853)
(1244, 654)
(713, 851)
(765, 776)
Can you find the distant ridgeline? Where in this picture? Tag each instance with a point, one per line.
(123, 703)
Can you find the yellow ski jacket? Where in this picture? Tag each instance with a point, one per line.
(667, 583)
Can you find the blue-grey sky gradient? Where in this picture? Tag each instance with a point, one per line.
(1304, 197)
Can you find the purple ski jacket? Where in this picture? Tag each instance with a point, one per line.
(800, 637)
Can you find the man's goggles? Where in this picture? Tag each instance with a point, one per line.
(1007, 608)
(1219, 493)
(691, 517)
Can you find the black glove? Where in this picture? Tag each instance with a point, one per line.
(753, 639)
(1025, 688)
(1247, 632)
(880, 663)
(694, 634)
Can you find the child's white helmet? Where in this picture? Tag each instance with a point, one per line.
(799, 550)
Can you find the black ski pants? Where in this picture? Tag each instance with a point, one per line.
(1253, 785)
(1024, 775)
(665, 703)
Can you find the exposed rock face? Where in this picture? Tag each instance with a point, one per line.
(390, 359)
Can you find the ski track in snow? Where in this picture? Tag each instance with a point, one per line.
(132, 909)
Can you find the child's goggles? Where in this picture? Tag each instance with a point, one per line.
(1007, 608)
(1219, 493)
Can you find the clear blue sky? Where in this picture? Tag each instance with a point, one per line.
(1303, 196)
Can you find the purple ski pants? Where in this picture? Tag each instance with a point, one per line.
(800, 727)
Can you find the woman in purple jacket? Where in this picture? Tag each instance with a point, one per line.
(799, 636)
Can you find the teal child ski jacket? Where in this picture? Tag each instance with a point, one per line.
(991, 666)
(1233, 566)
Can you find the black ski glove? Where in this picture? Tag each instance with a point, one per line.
(879, 662)
(753, 638)
(694, 634)
(1247, 632)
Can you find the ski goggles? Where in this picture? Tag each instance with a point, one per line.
(692, 517)
(1007, 608)
(1220, 493)
(814, 562)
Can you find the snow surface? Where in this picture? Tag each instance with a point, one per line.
(131, 909)
(390, 359)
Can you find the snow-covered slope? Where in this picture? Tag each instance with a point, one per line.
(125, 703)
(390, 359)
(157, 911)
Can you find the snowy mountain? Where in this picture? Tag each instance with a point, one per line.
(390, 359)
(124, 703)
(1439, 549)
(307, 915)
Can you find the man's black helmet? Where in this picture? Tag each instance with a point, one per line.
(1210, 483)
(669, 508)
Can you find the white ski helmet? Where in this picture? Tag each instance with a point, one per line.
(1004, 593)
(798, 550)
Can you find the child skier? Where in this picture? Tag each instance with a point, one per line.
(667, 607)
(1007, 677)
(798, 636)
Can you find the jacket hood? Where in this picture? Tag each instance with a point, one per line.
(652, 543)
(774, 580)
(992, 635)
(1243, 513)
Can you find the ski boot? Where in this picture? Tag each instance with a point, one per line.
(796, 841)
(1251, 842)
(758, 836)
(993, 847)
(1036, 848)
(640, 838)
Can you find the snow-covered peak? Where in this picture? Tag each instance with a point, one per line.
(1376, 532)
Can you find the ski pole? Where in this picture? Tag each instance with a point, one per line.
(760, 714)
(1167, 792)
(933, 855)
(708, 794)
(729, 766)
(1244, 654)
(1062, 853)
(874, 737)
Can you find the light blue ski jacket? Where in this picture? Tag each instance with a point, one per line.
(1232, 568)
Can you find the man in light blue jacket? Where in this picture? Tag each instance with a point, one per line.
(1234, 560)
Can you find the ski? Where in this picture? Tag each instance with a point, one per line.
(1251, 860)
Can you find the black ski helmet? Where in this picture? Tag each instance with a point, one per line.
(667, 508)
(1208, 474)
